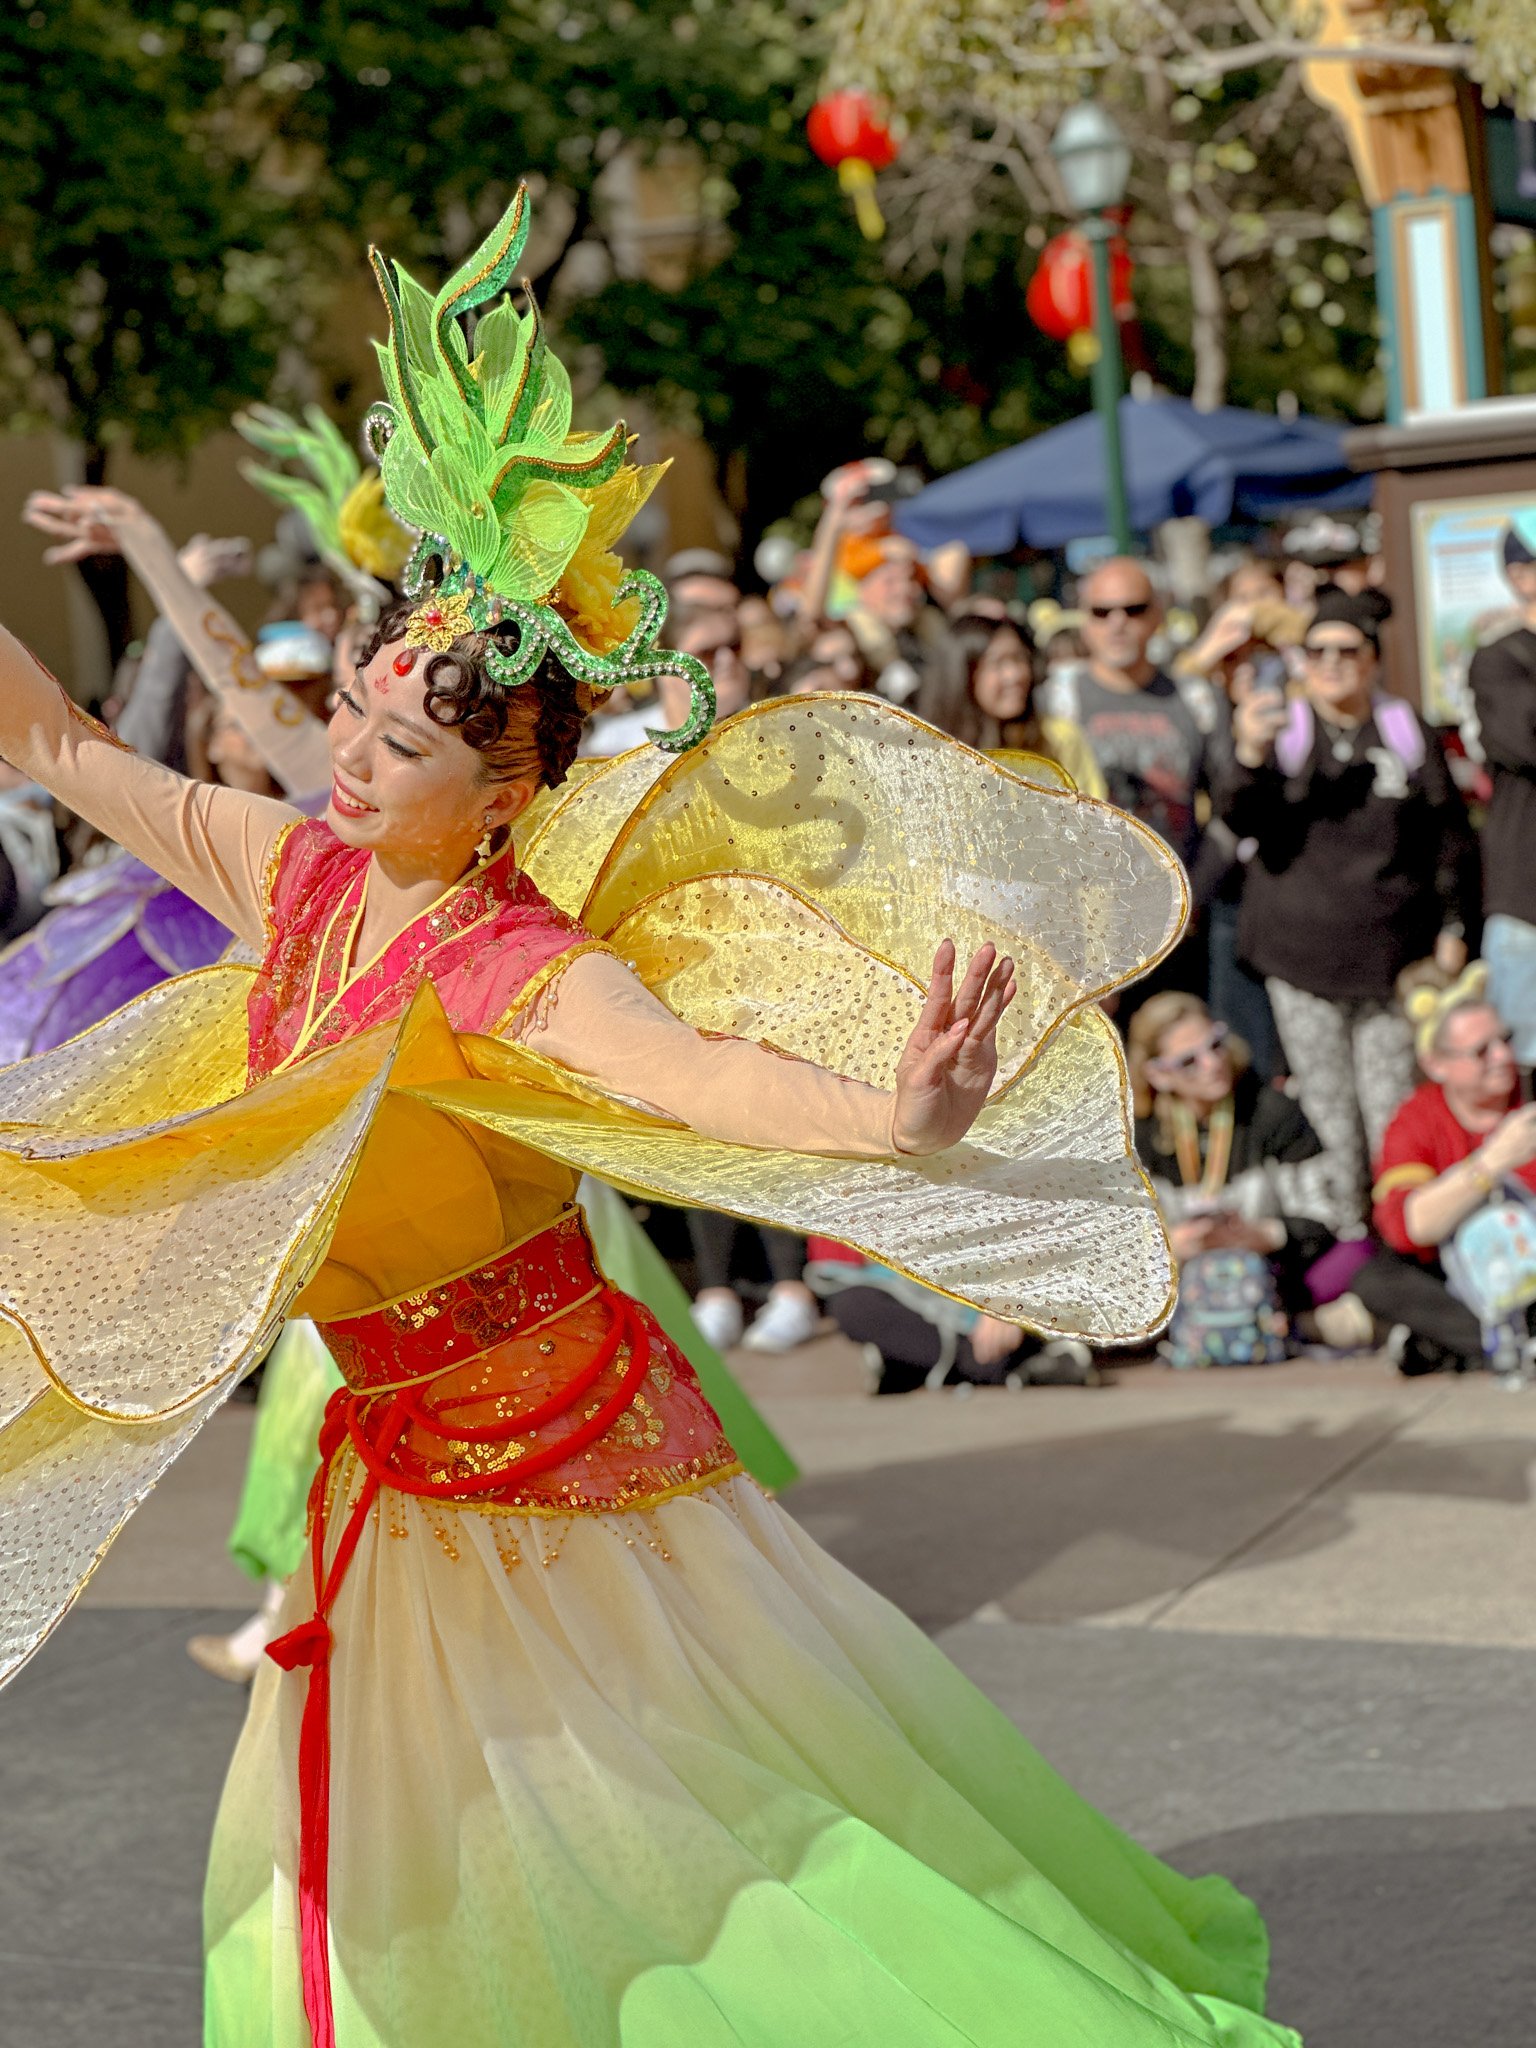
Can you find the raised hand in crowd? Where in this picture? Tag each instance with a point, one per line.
(92, 520)
(207, 560)
(1256, 725)
(88, 521)
(1510, 1144)
(1229, 628)
(844, 490)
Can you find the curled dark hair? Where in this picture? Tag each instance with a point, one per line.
(532, 730)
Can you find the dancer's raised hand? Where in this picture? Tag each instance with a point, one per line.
(950, 1060)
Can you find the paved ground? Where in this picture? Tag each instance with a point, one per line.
(1280, 1623)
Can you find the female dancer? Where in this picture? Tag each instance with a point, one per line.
(576, 1739)
(83, 965)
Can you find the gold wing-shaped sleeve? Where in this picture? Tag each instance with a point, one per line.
(157, 1223)
(786, 883)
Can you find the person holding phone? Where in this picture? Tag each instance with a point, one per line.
(1248, 648)
(1363, 862)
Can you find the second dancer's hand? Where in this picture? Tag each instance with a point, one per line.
(85, 520)
(950, 1061)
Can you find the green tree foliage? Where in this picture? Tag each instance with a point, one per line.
(138, 304)
(1237, 247)
(182, 185)
(785, 339)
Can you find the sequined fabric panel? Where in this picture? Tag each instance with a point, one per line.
(905, 837)
(529, 1326)
(453, 1319)
(744, 956)
(566, 833)
(175, 1050)
(68, 1482)
(1041, 1215)
(149, 1268)
(668, 1437)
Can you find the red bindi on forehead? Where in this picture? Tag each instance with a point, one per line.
(402, 665)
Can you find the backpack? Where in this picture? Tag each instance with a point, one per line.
(1490, 1263)
(1401, 733)
(1229, 1312)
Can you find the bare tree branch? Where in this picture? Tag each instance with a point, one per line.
(1247, 56)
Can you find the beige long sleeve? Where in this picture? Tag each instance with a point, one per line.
(213, 843)
(290, 740)
(602, 1021)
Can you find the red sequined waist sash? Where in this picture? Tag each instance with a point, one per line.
(389, 1356)
(419, 1335)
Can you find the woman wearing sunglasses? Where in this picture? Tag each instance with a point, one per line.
(1461, 1140)
(1364, 862)
(1238, 1173)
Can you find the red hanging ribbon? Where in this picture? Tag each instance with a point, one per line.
(312, 1643)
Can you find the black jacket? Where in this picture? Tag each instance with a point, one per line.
(1358, 867)
(1503, 678)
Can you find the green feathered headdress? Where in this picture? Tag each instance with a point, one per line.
(518, 515)
(342, 503)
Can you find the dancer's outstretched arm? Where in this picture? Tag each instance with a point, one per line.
(90, 521)
(604, 1022)
(212, 842)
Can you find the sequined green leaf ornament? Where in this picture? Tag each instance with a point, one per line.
(476, 450)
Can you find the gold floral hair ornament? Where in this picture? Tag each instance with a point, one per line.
(342, 503)
(1427, 1008)
(518, 515)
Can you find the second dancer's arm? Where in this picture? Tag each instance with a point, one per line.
(211, 842)
(289, 739)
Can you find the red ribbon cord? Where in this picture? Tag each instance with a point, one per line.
(311, 1644)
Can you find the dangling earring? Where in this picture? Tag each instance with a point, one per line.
(483, 850)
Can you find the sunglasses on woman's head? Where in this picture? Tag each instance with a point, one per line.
(1180, 1062)
(1138, 610)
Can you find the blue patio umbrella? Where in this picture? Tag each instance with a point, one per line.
(1179, 463)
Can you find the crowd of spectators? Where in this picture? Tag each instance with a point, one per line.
(1333, 855)
(1325, 1090)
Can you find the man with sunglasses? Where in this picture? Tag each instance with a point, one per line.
(1159, 742)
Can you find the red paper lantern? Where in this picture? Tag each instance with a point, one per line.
(1059, 297)
(849, 126)
(848, 132)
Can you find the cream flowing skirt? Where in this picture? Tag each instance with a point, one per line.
(679, 1780)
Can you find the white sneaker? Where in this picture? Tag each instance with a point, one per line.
(1064, 1362)
(785, 1323)
(1346, 1324)
(719, 1320)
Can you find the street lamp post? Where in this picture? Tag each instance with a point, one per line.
(1094, 160)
